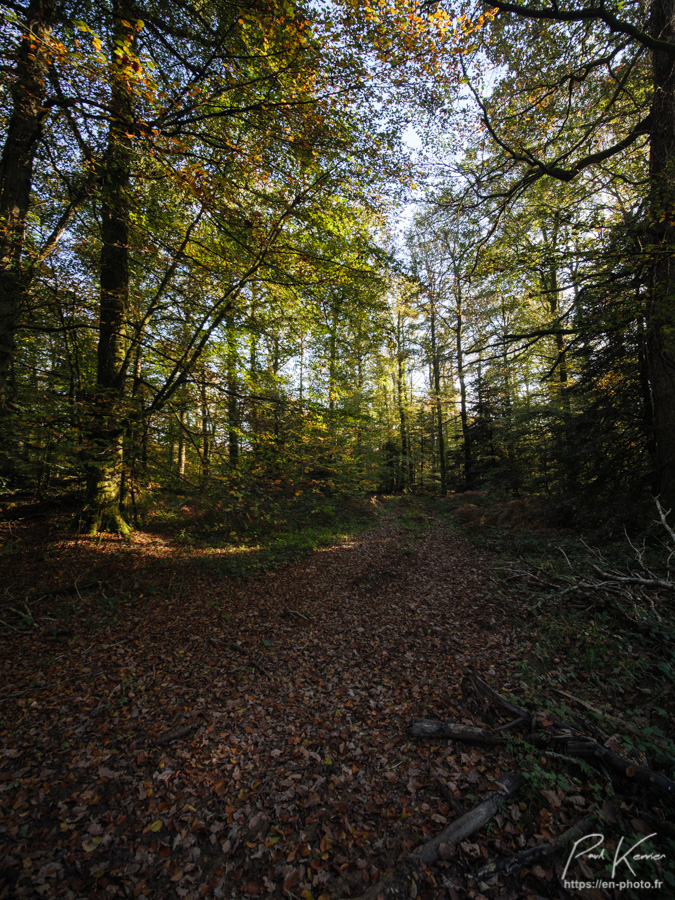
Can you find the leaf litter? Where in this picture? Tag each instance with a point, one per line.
(226, 739)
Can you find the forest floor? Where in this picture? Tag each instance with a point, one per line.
(169, 731)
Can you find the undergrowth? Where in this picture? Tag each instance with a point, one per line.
(289, 530)
(584, 657)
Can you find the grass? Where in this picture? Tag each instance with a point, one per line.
(296, 529)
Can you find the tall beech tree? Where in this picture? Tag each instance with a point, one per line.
(108, 414)
(28, 93)
(194, 270)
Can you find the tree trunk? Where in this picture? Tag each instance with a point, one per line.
(109, 414)
(645, 389)
(232, 403)
(24, 130)
(463, 412)
(661, 287)
(436, 369)
(206, 448)
(403, 467)
(551, 291)
(332, 360)
(181, 443)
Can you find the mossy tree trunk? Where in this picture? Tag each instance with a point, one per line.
(109, 412)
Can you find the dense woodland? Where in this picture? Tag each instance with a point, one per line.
(271, 249)
(388, 280)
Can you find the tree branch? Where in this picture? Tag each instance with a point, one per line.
(600, 13)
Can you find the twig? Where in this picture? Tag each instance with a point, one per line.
(11, 627)
(177, 733)
(297, 614)
(663, 516)
(523, 720)
(252, 662)
(448, 795)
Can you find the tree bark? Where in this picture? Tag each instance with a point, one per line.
(400, 393)
(232, 401)
(463, 411)
(181, 442)
(24, 130)
(206, 444)
(108, 413)
(661, 287)
(436, 369)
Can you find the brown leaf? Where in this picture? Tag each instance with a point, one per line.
(291, 879)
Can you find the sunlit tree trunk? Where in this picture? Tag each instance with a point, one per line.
(181, 443)
(551, 290)
(461, 377)
(436, 372)
(232, 400)
(400, 394)
(332, 352)
(109, 414)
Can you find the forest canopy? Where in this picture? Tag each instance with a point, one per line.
(266, 250)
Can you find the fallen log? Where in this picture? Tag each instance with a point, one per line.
(396, 885)
(656, 782)
(468, 734)
(574, 745)
(588, 749)
(471, 734)
(512, 865)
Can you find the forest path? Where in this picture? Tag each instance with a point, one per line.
(250, 738)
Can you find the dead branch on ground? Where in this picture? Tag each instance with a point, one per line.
(564, 738)
(256, 664)
(397, 884)
(512, 865)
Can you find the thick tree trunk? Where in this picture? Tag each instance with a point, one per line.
(645, 389)
(661, 296)
(104, 486)
(109, 414)
(24, 129)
